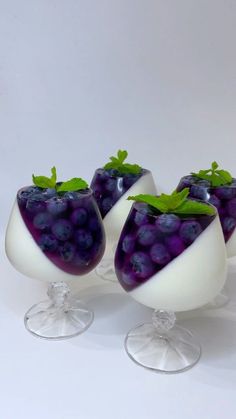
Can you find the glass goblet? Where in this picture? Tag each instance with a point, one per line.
(224, 199)
(111, 191)
(55, 238)
(169, 263)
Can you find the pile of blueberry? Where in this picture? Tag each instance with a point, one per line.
(222, 197)
(66, 226)
(109, 185)
(150, 241)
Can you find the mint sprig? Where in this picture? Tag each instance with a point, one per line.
(72, 185)
(175, 203)
(118, 163)
(215, 176)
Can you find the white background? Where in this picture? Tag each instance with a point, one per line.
(78, 80)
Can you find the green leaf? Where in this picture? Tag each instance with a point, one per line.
(44, 181)
(214, 165)
(126, 168)
(151, 200)
(194, 207)
(72, 185)
(176, 203)
(215, 176)
(122, 155)
(117, 163)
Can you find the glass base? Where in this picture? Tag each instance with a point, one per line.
(219, 301)
(105, 270)
(60, 317)
(170, 349)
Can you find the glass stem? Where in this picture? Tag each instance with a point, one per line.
(163, 321)
(59, 293)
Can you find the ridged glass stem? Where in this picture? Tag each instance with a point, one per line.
(163, 321)
(58, 293)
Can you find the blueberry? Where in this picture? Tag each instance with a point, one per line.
(71, 196)
(199, 192)
(168, 223)
(142, 265)
(107, 204)
(49, 193)
(56, 205)
(113, 172)
(62, 229)
(189, 231)
(127, 277)
(35, 204)
(175, 245)
(146, 234)
(42, 220)
(204, 183)
(84, 239)
(82, 258)
(140, 218)
(186, 182)
(214, 201)
(128, 243)
(26, 193)
(67, 251)
(110, 185)
(228, 224)
(47, 242)
(231, 207)
(159, 254)
(225, 192)
(94, 224)
(79, 216)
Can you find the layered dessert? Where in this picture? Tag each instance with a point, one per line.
(55, 231)
(171, 253)
(112, 185)
(217, 187)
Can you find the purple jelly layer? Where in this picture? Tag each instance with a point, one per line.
(149, 242)
(108, 187)
(67, 227)
(222, 197)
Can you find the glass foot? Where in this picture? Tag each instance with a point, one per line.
(60, 317)
(219, 301)
(106, 270)
(162, 346)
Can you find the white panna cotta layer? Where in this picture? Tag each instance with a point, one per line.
(116, 217)
(231, 245)
(190, 280)
(26, 256)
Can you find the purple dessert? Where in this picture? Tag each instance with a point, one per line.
(222, 196)
(151, 239)
(109, 185)
(67, 226)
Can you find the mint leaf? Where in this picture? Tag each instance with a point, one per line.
(72, 185)
(122, 155)
(44, 181)
(151, 200)
(194, 207)
(215, 176)
(118, 163)
(175, 203)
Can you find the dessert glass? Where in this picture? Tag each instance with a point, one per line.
(55, 237)
(111, 191)
(224, 199)
(169, 263)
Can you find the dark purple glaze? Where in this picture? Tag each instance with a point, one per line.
(222, 197)
(108, 186)
(144, 248)
(66, 226)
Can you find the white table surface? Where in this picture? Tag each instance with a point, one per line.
(91, 377)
